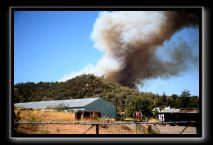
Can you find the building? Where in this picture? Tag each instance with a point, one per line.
(106, 109)
(175, 115)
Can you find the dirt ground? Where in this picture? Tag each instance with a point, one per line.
(176, 129)
(40, 116)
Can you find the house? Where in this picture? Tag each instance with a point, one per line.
(106, 109)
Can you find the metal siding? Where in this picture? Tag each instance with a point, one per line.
(111, 109)
(107, 109)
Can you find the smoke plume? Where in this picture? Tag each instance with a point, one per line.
(132, 39)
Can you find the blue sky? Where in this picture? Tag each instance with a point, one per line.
(49, 45)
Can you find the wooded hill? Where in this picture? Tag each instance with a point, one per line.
(86, 86)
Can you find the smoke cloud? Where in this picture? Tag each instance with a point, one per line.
(105, 64)
(132, 40)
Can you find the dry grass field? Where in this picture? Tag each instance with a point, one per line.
(41, 116)
(53, 116)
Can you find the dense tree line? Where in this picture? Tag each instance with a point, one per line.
(86, 86)
(148, 101)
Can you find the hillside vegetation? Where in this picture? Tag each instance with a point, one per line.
(86, 86)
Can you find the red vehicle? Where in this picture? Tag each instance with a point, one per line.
(137, 115)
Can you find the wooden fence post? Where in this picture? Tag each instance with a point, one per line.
(97, 129)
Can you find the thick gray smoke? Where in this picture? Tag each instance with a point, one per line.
(132, 39)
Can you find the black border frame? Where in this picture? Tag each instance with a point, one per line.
(199, 10)
(79, 5)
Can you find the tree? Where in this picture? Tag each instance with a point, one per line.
(194, 102)
(171, 101)
(139, 104)
(185, 93)
(165, 99)
(185, 99)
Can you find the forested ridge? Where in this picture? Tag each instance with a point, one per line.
(86, 86)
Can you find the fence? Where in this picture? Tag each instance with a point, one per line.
(139, 126)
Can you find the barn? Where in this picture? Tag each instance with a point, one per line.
(106, 109)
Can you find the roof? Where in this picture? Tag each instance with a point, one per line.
(169, 110)
(188, 110)
(71, 103)
(191, 110)
(88, 111)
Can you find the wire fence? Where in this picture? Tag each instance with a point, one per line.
(132, 127)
